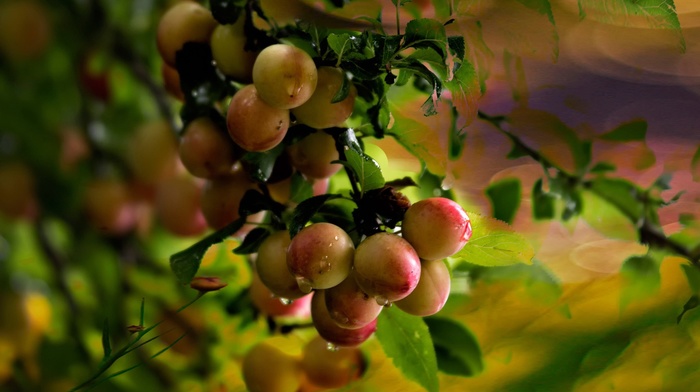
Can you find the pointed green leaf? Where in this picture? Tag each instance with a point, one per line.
(457, 349)
(465, 90)
(343, 91)
(641, 278)
(692, 274)
(369, 174)
(252, 241)
(406, 340)
(426, 33)
(306, 210)
(622, 194)
(504, 196)
(457, 46)
(627, 132)
(494, 243)
(542, 203)
(142, 313)
(106, 345)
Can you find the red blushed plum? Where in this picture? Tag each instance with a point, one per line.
(349, 306)
(432, 290)
(253, 124)
(318, 111)
(206, 150)
(269, 304)
(332, 332)
(331, 368)
(109, 206)
(386, 267)
(184, 22)
(271, 265)
(178, 206)
(313, 155)
(285, 76)
(436, 227)
(320, 256)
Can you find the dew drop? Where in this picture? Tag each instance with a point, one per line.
(331, 347)
(286, 301)
(381, 301)
(335, 238)
(304, 284)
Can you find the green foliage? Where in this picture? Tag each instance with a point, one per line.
(456, 348)
(407, 341)
(494, 243)
(505, 198)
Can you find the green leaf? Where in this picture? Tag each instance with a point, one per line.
(259, 165)
(641, 278)
(692, 303)
(142, 313)
(457, 46)
(306, 210)
(367, 170)
(252, 241)
(457, 349)
(515, 74)
(494, 243)
(106, 345)
(655, 14)
(300, 188)
(692, 273)
(414, 65)
(504, 196)
(542, 203)
(347, 46)
(185, 263)
(465, 89)
(426, 33)
(406, 340)
(622, 194)
(603, 167)
(627, 132)
(343, 91)
(606, 218)
(695, 165)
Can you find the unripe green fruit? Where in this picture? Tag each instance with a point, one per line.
(285, 76)
(271, 265)
(318, 111)
(432, 291)
(386, 267)
(253, 124)
(228, 50)
(320, 256)
(436, 227)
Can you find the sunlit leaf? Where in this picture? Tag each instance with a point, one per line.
(465, 90)
(457, 349)
(642, 278)
(623, 194)
(406, 340)
(494, 243)
(369, 174)
(656, 14)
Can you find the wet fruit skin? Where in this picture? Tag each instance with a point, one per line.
(285, 76)
(436, 227)
(386, 267)
(253, 124)
(267, 303)
(318, 111)
(184, 22)
(349, 306)
(332, 332)
(266, 368)
(313, 155)
(271, 265)
(320, 256)
(432, 291)
(331, 368)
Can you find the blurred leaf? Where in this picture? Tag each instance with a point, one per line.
(623, 194)
(465, 90)
(515, 74)
(300, 188)
(227, 11)
(692, 274)
(606, 218)
(602, 167)
(494, 243)
(630, 131)
(406, 340)
(504, 196)
(542, 203)
(695, 165)
(655, 14)
(692, 303)
(142, 312)
(343, 91)
(106, 345)
(252, 241)
(185, 263)
(306, 210)
(457, 349)
(641, 278)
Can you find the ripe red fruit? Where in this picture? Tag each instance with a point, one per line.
(332, 332)
(253, 124)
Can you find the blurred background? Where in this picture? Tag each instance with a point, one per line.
(88, 119)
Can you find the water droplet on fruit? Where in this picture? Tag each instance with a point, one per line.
(304, 284)
(286, 301)
(331, 347)
(381, 301)
(335, 238)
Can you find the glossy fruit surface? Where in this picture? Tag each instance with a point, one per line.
(253, 124)
(186, 21)
(319, 111)
(285, 76)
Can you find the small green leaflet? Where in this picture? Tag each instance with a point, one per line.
(494, 243)
(465, 89)
(627, 132)
(457, 349)
(543, 204)
(656, 14)
(504, 196)
(406, 340)
(306, 210)
(367, 170)
(426, 33)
